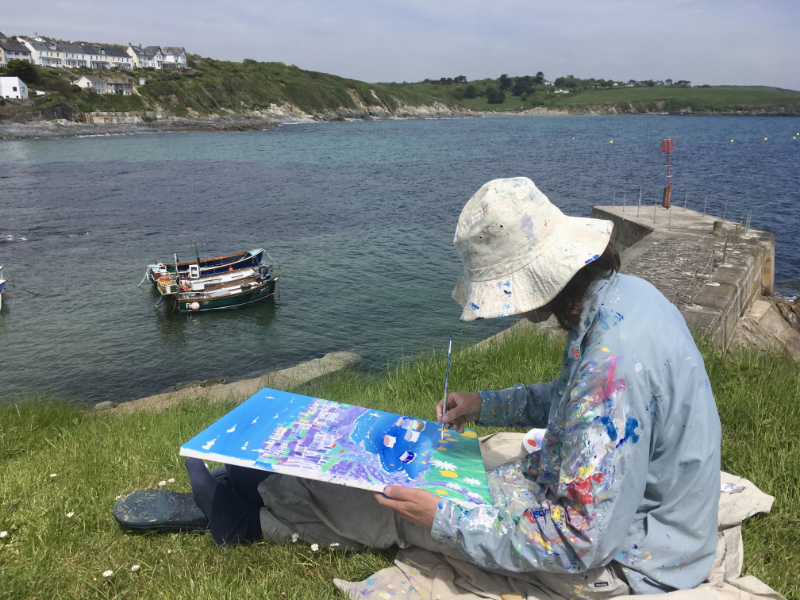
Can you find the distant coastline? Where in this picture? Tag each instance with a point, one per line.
(264, 120)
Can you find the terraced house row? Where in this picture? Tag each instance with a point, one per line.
(46, 52)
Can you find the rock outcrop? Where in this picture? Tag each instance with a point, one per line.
(103, 123)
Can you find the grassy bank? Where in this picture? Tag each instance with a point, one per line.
(675, 99)
(97, 456)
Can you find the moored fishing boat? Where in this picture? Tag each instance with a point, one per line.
(228, 296)
(169, 285)
(206, 267)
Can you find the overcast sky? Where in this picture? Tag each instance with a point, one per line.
(738, 42)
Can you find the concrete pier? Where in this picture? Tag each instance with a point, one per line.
(669, 251)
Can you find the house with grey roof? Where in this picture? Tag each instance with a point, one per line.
(174, 57)
(119, 86)
(44, 54)
(56, 54)
(149, 56)
(15, 51)
(93, 83)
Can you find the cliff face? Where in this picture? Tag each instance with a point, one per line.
(160, 119)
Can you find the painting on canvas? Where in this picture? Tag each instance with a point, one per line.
(348, 445)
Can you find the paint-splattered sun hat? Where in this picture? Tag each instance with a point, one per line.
(519, 250)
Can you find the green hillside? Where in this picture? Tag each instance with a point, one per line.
(675, 99)
(211, 85)
(219, 87)
(525, 92)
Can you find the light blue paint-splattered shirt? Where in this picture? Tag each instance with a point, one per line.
(629, 466)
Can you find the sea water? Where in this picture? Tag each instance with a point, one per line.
(359, 216)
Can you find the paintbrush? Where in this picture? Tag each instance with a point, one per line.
(446, 378)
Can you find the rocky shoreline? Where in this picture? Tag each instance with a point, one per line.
(259, 120)
(256, 120)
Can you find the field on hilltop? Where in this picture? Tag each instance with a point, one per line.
(675, 99)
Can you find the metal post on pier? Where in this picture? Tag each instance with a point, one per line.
(711, 270)
(692, 290)
(725, 250)
(640, 202)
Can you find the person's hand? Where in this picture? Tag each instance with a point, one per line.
(462, 407)
(417, 506)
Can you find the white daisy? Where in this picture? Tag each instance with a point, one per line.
(171, 480)
(471, 481)
(334, 544)
(3, 534)
(442, 464)
(108, 573)
(135, 568)
(160, 483)
(294, 537)
(52, 475)
(314, 547)
(70, 515)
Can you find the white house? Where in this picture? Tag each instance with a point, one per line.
(106, 85)
(174, 57)
(92, 82)
(149, 56)
(13, 87)
(44, 54)
(116, 58)
(51, 54)
(75, 55)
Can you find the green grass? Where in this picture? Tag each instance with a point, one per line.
(698, 99)
(481, 103)
(98, 456)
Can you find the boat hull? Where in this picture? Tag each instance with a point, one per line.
(228, 302)
(210, 266)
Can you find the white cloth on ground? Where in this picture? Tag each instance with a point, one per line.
(420, 574)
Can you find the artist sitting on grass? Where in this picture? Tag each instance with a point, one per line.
(622, 497)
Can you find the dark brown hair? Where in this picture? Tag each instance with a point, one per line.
(568, 303)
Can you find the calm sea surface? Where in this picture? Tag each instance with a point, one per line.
(360, 216)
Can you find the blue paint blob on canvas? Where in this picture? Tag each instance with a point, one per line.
(348, 445)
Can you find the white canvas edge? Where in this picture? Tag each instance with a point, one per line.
(252, 464)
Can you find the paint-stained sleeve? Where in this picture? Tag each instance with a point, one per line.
(567, 508)
(518, 406)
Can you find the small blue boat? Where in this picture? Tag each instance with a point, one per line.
(206, 267)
